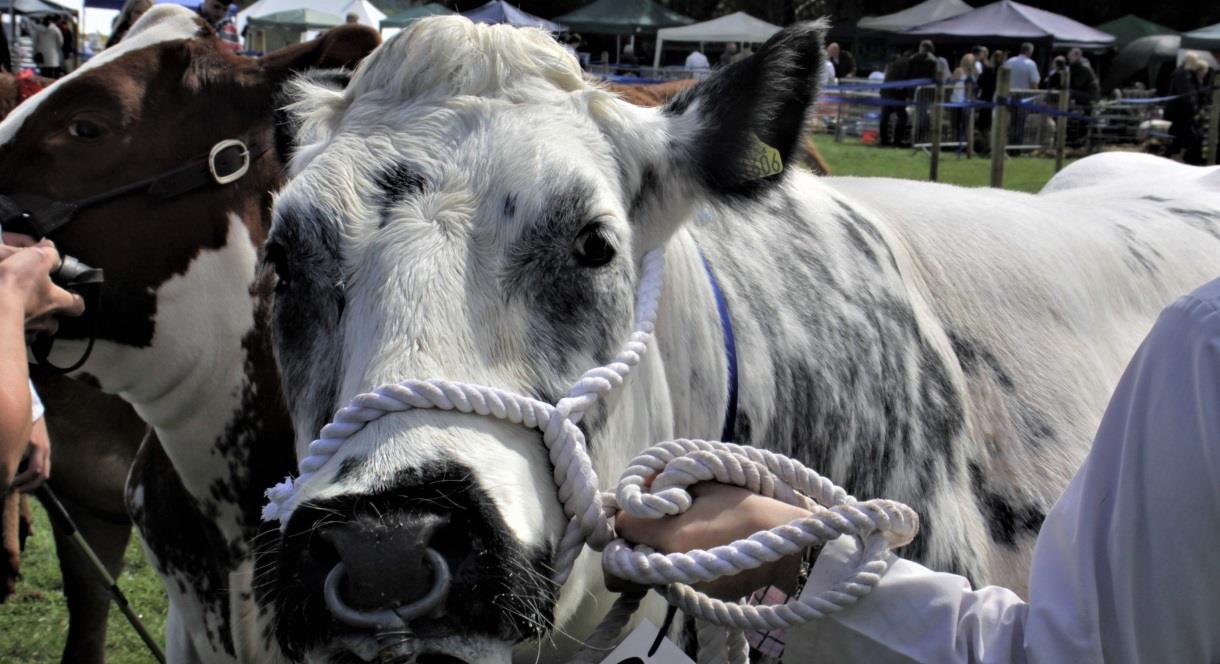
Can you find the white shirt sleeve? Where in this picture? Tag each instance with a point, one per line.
(36, 409)
(1125, 568)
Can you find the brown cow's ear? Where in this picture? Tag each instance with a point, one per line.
(344, 46)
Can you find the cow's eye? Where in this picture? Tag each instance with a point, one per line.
(278, 261)
(594, 246)
(86, 129)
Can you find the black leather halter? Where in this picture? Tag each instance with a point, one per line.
(227, 162)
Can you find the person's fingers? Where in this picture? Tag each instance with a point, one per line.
(6, 251)
(66, 302)
(48, 253)
(27, 484)
(18, 240)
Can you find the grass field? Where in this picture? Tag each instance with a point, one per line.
(852, 158)
(33, 622)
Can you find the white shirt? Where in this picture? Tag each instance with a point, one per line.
(697, 60)
(36, 408)
(1125, 568)
(1024, 73)
(49, 42)
(827, 75)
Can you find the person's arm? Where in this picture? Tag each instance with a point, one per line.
(15, 420)
(1124, 567)
(28, 300)
(38, 468)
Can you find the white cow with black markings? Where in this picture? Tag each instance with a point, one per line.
(471, 208)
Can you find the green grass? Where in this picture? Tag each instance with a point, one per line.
(853, 158)
(34, 621)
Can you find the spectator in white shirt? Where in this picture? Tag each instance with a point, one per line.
(1024, 70)
(1124, 568)
(49, 46)
(827, 76)
(697, 61)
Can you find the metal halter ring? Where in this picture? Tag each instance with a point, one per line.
(388, 619)
(217, 152)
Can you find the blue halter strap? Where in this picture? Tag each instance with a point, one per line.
(730, 353)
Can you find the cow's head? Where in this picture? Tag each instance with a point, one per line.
(470, 208)
(178, 269)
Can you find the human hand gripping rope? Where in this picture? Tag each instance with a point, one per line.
(673, 466)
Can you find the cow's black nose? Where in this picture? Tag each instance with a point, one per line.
(387, 560)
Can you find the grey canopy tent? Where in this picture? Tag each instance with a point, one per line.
(296, 19)
(1014, 21)
(921, 14)
(1129, 28)
(277, 30)
(736, 27)
(33, 7)
(498, 11)
(622, 17)
(1207, 39)
(408, 16)
(1147, 60)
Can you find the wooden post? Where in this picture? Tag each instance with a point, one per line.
(1061, 124)
(938, 116)
(1213, 127)
(999, 126)
(970, 96)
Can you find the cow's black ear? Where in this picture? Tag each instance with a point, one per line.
(736, 131)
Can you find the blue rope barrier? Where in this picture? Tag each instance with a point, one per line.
(864, 101)
(888, 85)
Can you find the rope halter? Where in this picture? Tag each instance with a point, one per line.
(672, 466)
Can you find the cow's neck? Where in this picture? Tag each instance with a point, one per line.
(690, 341)
(207, 383)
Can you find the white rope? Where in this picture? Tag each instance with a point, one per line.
(672, 467)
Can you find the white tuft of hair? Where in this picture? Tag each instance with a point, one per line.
(451, 56)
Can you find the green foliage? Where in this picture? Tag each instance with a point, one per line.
(34, 621)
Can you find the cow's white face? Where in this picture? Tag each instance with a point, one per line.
(469, 209)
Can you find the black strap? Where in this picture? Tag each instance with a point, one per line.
(39, 216)
(89, 285)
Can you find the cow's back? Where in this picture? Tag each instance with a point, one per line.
(1042, 300)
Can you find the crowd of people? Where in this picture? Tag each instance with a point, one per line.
(54, 41)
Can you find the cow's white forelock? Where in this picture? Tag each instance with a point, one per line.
(160, 24)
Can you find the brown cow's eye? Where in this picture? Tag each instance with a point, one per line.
(593, 247)
(85, 129)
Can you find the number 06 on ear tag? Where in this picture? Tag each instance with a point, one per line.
(637, 648)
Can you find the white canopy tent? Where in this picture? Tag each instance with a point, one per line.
(736, 27)
(924, 12)
(369, 15)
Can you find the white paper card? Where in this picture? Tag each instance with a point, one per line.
(634, 649)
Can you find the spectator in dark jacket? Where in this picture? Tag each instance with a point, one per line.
(987, 85)
(895, 102)
(1182, 111)
(1085, 86)
(842, 59)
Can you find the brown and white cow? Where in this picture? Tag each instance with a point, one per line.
(181, 334)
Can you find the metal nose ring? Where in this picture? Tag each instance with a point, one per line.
(388, 619)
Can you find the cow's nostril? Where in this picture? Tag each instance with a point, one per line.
(385, 558)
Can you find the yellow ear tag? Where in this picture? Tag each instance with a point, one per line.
(764, 161)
